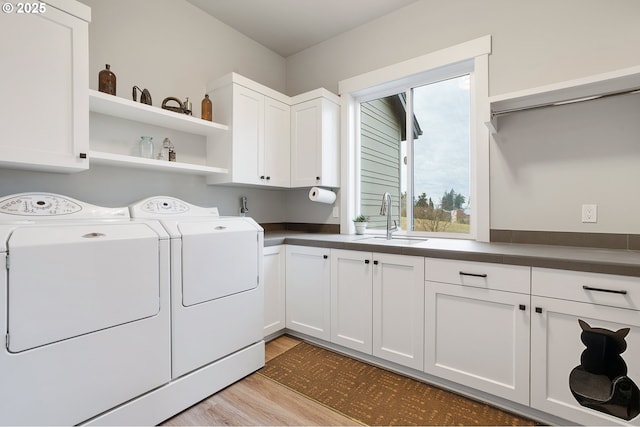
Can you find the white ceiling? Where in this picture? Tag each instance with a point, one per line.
(289, 26)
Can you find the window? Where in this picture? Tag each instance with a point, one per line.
(426, 169)
(421, 137)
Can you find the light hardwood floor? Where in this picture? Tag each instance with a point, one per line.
(256, 400)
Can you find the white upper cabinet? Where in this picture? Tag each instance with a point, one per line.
(45, 114)
(315, 140)
(277, 136)
(275, 140)
(256, 150)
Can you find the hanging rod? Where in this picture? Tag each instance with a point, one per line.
(558, 103)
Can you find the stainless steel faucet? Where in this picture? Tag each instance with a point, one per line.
(385, 209)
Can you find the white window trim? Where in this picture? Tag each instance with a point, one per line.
(389, 78)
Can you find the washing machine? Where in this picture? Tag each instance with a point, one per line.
(217, 298)
(84, 305)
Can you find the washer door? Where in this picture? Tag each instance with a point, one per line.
(219, 258)
(69, 280)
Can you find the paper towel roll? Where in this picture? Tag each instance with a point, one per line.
(322, 196)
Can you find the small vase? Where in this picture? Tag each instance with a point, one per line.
(360, 227)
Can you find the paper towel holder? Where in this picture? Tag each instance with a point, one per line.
(317, 194)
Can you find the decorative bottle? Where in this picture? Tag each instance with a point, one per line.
(107, 81)
(168, 145)
(207, 109)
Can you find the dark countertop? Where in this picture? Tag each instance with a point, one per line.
(608, 261)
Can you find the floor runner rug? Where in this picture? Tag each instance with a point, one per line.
(375, 396)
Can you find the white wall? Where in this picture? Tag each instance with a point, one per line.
(544, 164)
(172, 48)
(535, 42)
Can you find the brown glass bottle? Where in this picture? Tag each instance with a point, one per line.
(207, 109)
(107, 81)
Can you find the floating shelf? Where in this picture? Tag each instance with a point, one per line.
(583, 89)
(101, 157)
(125, 109)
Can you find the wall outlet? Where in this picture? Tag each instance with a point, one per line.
(589, 213)
(336, 212)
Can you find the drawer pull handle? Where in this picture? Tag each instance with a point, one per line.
(522, 307)
(462, 273)
(366, 261)
(611, 291)
(538, 309)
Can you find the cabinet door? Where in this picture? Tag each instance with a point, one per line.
(274, 289)
(308, 291)
(479, 338)
(557, 348)
(398, 309)
(44, 85)
(306, 161)
(351, 275)
(248, 135)
(315, 143)
(277, 142)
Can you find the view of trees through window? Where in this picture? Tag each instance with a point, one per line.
(436, 171)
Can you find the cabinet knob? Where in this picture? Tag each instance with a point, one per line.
(375, 262)
(268, 178)
(366, 261)
(538, 309)
(261, 176)
(317, 178)
(523, 307)
(83, 155)
(325, 256)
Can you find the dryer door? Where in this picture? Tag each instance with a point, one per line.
(219, 258)
(69, 280)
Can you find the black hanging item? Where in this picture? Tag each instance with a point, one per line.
(600, 382)
(145, 96)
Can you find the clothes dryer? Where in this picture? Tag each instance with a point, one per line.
(217, 295)
(84, 304)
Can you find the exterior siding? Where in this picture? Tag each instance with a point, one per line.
(381, 133)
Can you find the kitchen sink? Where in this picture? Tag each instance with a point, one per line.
(382, 240)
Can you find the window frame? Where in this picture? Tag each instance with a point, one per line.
(471, 56)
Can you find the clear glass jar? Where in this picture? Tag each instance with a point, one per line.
(146, 147)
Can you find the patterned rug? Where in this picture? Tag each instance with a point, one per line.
(375, 396)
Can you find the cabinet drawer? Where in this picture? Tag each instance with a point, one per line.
(595, 288)
(512, 278)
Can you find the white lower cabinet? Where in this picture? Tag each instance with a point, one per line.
(377, 304)
(351, 299)
(308, 290)
(398, 309)
(476, 335)
(274, 289)
(608, 351)
(566, 343)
